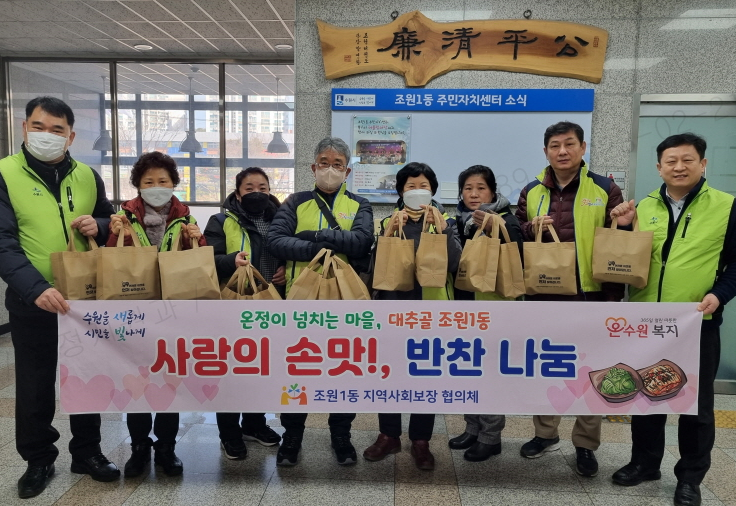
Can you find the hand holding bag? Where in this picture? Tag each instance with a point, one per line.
(479, 259)
(549, 267)
(75, 272)
(128, 272)
(394, 267)
(620, 256)
(431, 257)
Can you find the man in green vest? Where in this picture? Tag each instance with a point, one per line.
(330, 217)
(694, 247)
(575, 201)
(46, 199)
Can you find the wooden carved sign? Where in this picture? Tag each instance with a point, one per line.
(420, 49)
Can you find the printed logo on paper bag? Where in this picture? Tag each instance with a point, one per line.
(614, 267)
(294, 393)
(549, 280)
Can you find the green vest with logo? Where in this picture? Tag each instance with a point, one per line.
(589, 212)
(692, 265)
(236, 237)
(171, 234)
(43, 222)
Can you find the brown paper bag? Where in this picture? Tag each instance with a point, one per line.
(348, 282)
(328, 282)
(306, 285)
(128, 273)
(510, 276)
(549, 267)
(262, 290)
(188, 274)
(394, 268)
(431, 258)
(620, 256)
(479, 260)
(236, 287)
(75, 272)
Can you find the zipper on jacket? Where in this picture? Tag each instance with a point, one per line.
(69, 198)
(541, 201)
(687, 222)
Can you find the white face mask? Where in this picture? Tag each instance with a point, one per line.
(46, 146)
(157, 196)
(329, 179)
(414, 199)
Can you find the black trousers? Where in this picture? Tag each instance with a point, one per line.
(35, 341)
(339, 423)
(165, 428)
(420, 425)
(230, 425)
(696, 433)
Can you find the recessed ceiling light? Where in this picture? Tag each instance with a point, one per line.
(142, 47)
(284, 46)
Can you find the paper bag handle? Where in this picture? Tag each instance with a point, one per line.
(133, 236)
(634, 222)
(552, 232)
(502, 228)
(401, 227)
(71, 245)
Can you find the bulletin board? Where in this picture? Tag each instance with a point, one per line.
(451, 130)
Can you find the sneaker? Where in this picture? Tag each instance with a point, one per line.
(344, 450)
(264, 435)
(586, 465)
(289, 451)
(539, 446)
(235, 449)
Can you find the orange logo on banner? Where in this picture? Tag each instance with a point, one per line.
(294, 393)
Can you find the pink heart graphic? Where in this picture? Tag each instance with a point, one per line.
(143, 371)
(159, 398)
(93, 396)
(560, 398)
(63, 374)
(582, 356)
(684, 399)
(136, 385)
(172, 380)
(195, 385)
(121, 398)
(580, 385)
(210, 391)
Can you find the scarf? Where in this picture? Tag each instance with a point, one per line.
(155, 222)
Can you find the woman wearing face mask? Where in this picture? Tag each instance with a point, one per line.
(159, 219)
(238, 237)
(416, 184)
(478, 196)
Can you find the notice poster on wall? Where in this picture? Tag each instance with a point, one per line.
(380, 146)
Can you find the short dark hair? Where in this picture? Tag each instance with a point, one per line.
(247, 172)
(562, 128)
(477, 170)
(415, 169)
(53, 106)
(687, 138)
(153, 160)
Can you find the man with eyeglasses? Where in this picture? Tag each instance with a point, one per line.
(330, 217)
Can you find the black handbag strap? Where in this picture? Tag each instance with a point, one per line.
(326, 211)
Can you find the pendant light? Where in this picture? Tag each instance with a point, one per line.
(190, 144)
(104, 141)
(277, 144)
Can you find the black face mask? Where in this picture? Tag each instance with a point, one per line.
(255, 202)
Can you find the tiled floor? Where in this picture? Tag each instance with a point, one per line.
(507, 479)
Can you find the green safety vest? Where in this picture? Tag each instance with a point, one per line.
(589, 212)
(171, 234)
(236, 237)
(43, 222)
(692, 265)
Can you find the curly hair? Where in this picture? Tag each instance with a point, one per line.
(153, 160)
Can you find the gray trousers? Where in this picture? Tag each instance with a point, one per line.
(487, 427)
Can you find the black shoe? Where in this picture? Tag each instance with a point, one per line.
(586, 465)
(97, 466)
(344, 450)
(539, 446)
(463, 441)
(481, 451)
(633, 474)
(138, 461)
(687, 494)
(289, 450)
(234, 449)
(34, 480)
(165, 457)
(264, 435)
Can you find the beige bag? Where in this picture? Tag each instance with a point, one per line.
(128, 273)
(306, 285)
(188, 274)
(249, 284)
(549, 267)
(75, 272)
(348, 282)
(479, 260)
(328, 282)
(394, 267)
(620, 256)
(236, 287)
(431, 258)
(510, 276)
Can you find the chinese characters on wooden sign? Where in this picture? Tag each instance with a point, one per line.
(420, 49)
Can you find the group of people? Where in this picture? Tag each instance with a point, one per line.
(47, 198)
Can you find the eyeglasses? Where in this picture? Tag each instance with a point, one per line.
(336, 166)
